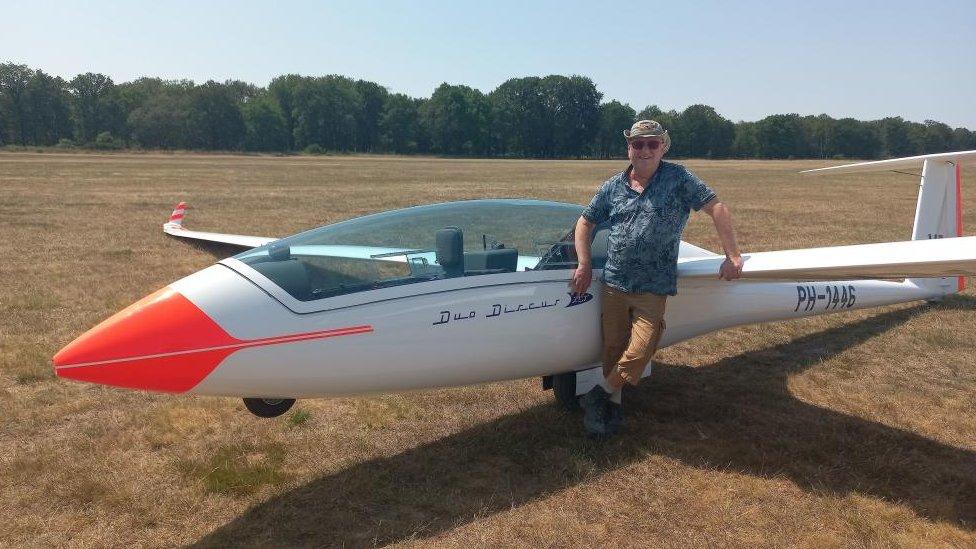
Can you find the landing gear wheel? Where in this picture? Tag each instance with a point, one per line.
(268, 407)
(564, 389)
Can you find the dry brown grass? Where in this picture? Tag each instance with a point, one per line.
(856, 429)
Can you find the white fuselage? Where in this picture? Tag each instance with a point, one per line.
(468, 330)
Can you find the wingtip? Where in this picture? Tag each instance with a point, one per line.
(176, 218)
(178, 212)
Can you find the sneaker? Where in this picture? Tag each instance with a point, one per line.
(615, 417)
(595, 412)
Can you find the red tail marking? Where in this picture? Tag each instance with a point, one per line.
(962, 279)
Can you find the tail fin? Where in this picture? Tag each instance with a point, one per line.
(176, 218)
(938, 213)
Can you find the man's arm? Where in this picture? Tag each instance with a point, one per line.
(732, 266)
(584, 271)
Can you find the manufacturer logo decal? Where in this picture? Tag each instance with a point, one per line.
(497, 310)
(579, 299)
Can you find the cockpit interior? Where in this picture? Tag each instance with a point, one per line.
(422, 244)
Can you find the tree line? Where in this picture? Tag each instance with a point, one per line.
(532, 117)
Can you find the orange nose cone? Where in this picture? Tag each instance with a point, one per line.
(162, 342)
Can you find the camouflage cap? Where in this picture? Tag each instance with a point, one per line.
(649, 128)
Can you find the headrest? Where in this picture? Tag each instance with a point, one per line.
(450, 247)
(279, 252)
(503, 260)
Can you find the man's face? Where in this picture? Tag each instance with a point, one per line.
(645, 151)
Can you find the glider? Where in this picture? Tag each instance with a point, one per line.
(474, 291)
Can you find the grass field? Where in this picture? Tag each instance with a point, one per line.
(856, 429)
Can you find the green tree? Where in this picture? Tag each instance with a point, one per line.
(214, 117)
(938, 137)
(283, 89)
(745, 144)
(819, 132)
(48, 104)
(916, 133)
(264, 124)
(895, 138)
(423, 131)
(133, 95)
(963, 140)
(781, 136)
(106, 141)
(855, 139)
(398, 124)
(15, 103)
(456, 117)
(241, 91)
(324, 111)
(372, 98)
(572, 110)
(519, 122)
(653, 112)
(158, 112)
(95, 107)
(703, 133)
(161, 122)
(615, 117)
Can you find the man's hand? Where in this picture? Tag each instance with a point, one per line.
(583, 235)
(581, 279)
(731, 268)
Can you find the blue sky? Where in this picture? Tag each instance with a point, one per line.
(864, 59)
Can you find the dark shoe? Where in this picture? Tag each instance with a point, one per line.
(595, 412)
(615, 417)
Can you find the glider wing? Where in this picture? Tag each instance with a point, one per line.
(174, 227)
(913, 258)
(961, 158)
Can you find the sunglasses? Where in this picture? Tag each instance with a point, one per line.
(652, 144)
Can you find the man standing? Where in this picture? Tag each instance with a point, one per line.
(647, 206)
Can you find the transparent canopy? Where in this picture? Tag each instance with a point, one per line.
(420, 244)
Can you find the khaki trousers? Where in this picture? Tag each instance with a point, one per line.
(632, 328)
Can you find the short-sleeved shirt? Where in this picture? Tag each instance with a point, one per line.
(645, 228)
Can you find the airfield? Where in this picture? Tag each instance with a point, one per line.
(855, 429)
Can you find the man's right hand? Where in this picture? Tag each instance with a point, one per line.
(581, 279)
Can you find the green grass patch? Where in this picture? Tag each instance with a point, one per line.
(34, 301)
(123, 253)
(28, 363)
(238, 469)
(298, 417)
(381, 412)
(941, 338)
(28, 377)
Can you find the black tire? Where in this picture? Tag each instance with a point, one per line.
(564, 389)
(268, 407)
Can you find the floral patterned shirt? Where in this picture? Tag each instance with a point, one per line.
(645, 228)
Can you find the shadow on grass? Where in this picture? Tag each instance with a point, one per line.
(734, 415)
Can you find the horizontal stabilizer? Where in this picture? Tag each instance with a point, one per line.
(914, 258)
(175, 228)
(960, 158)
